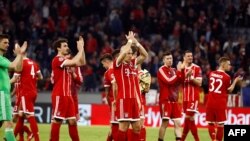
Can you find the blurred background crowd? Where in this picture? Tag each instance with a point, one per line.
(209, 28)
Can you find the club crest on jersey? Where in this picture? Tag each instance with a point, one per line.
(125, 115)
(61, 59)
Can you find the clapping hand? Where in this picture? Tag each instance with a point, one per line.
(20, 50)
(180, 66)
(80, 43)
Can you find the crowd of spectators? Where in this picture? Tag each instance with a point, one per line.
(209, 28)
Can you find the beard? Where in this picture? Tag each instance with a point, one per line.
(3, 50)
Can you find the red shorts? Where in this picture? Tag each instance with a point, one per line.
(216, 115)
(170, 110)
(17, 105)
(128, 109)
(190, 107)
(27, 104)
(63, 107)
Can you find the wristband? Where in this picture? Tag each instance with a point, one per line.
(138, 44)
(130, 41)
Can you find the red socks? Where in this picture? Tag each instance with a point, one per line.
(19, 126)
(220, 132)
(194, 131)
(135, 136)
(211, 130)
(189, 125)
(185, 129)
(34, 127)
(121, 136)
(129, 134)
(55, 130)
(73, 132)
(115, 129)
(143, 134)
(109, 138)
(132, 136)
(27, 130)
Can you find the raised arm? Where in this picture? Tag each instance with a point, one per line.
(17, 64)
(76, 60)
(83, 58)
(167, 80)
(231, 88)
(125, 49)
(143, 53)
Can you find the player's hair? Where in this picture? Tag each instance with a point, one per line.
(115, 53)
(186, 51)
(106, 56)
(57, 43)
(134, 49)
(4, 36)
(166, 53)
(223, 59)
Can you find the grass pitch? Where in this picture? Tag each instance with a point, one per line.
(99, 133)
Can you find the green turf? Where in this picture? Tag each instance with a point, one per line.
(98, 133)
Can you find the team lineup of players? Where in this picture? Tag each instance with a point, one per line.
(126, 85)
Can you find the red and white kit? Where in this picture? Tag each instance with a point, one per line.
(169, 80)
(191, 91)
(62, 102)
(128, 105)
(219, 82)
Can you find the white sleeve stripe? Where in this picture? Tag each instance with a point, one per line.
(17, 74)
(80, 74)
(63, 63)
(117, 65)
(164, 75)
(106, 85)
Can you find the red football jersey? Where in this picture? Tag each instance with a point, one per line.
(191, 91)
(75, 86)
(28, 77)
(169, 82)
(219, 82)
(126, 77)
(77, 82)
(61, 77)
(109, 78)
